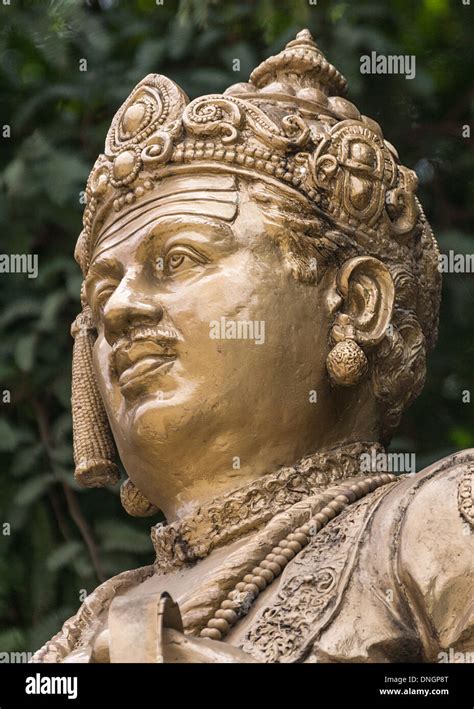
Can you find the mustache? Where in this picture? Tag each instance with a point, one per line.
(140, 342)
(155, 333)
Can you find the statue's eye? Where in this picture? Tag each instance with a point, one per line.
(102, 295)
(175, 261)
(181, 258)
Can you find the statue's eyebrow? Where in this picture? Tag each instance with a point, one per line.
(220, 203)
(103, 268)
(174, 224)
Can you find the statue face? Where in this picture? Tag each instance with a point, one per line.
(208, 348)
(211, 355)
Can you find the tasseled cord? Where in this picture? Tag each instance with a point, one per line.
(94, 451)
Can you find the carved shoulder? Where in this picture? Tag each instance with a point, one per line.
(434, 557)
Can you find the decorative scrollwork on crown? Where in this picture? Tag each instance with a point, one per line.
(354, 168)
(155, 102)
(141, 131)
(214, 115)
(283, 124)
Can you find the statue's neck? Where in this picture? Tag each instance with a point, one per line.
(249, 507)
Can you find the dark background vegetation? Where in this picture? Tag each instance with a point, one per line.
(65, 539)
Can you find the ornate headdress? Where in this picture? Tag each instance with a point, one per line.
(289, 124)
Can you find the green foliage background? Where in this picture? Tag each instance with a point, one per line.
(64, 539)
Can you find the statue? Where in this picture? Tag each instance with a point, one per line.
(261, 288)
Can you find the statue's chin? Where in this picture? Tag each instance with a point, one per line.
(155, 405)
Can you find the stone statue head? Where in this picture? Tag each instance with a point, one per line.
(260, 282)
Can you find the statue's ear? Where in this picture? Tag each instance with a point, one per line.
(367, 291)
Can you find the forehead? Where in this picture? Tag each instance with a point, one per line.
(190, 199)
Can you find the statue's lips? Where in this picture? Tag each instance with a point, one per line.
(128, 355)
(138, 371)
(135, 362)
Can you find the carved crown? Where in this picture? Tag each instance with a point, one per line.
(289, 123)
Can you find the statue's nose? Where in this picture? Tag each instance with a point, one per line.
(129, 307)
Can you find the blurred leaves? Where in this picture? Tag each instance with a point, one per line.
(32, 489)
(59, 116)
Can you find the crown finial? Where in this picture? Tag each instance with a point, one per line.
(303, 38)
(300, 65)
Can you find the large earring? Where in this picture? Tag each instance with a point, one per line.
(134, 502)
(346, 362)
